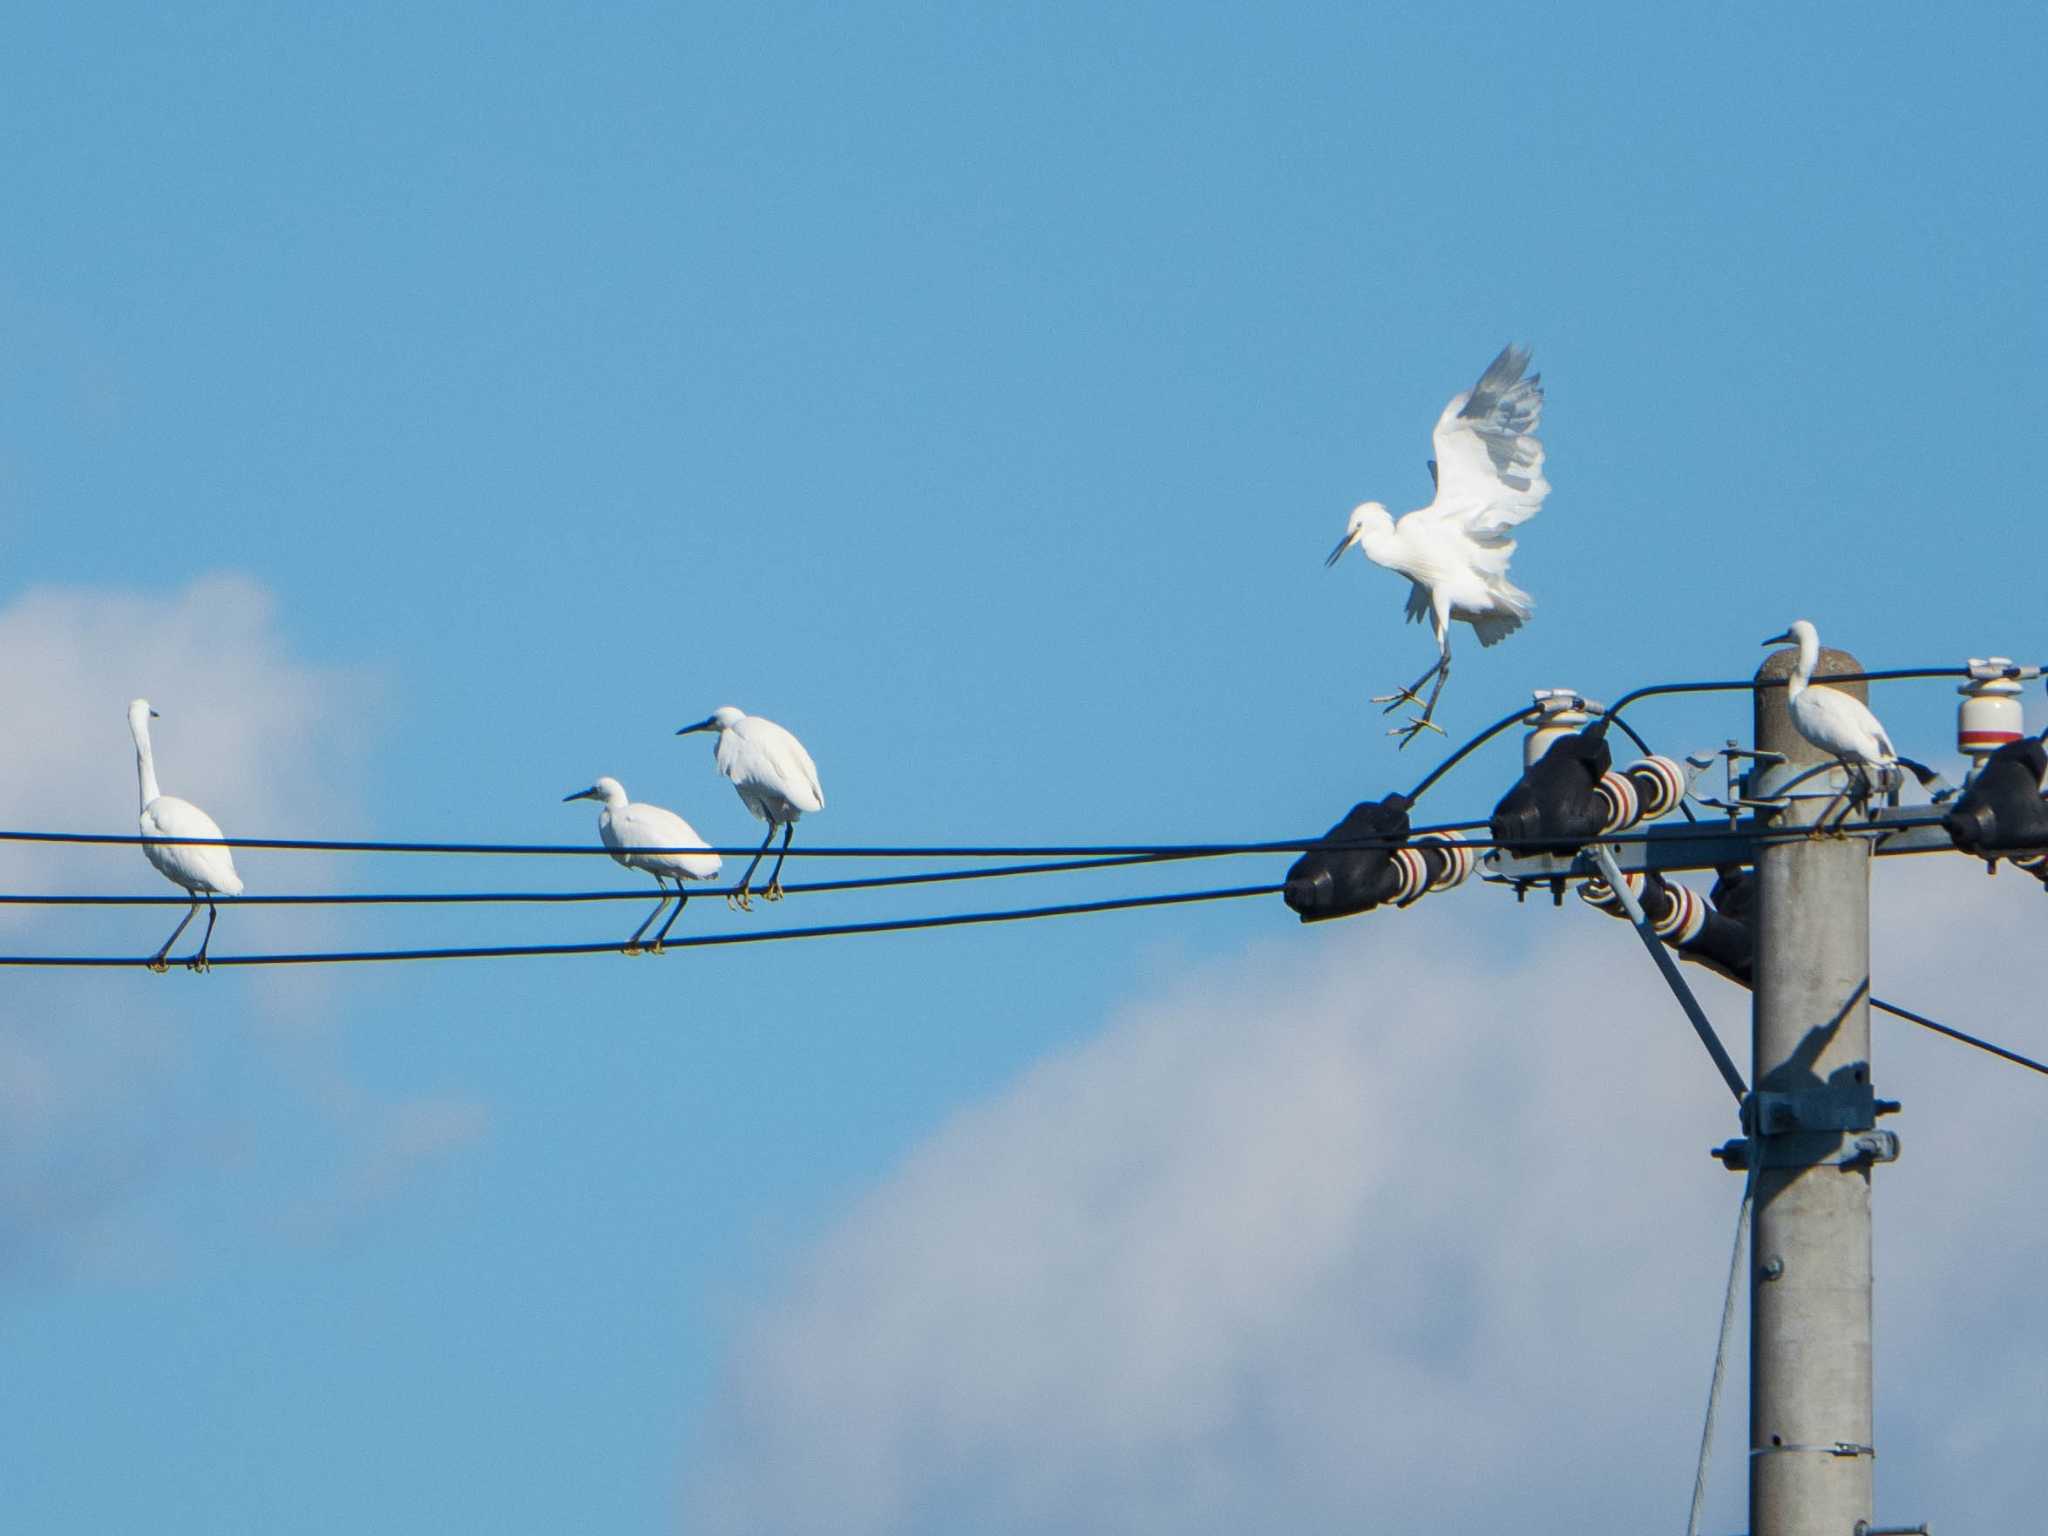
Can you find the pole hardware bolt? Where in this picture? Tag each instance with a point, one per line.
(1838, 1107)
(1771, 1268)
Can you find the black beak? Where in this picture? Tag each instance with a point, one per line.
(1784, 639)
(706, 724)
(581, 794)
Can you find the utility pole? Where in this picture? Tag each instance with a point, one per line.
(1811, 1116)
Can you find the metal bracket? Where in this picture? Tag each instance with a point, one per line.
(1847, 1107)
(1865, 1528)
(1843, 1448)
(1814, 1149)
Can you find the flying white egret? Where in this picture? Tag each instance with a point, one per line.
(1839, 723)
(203, 871)
(628, 827)
(775, 777)
(1488, 471)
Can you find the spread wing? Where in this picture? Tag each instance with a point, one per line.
(1489, 465)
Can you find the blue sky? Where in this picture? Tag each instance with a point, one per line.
(433, 411)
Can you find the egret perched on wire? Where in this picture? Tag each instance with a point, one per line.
(775, 777)
(628, 828)
(204, 871)
(1839, 723)
(1488, 472)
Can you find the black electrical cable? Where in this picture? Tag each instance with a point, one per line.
(1956, 1034)
(641, 893)
(1746, 834)
(695, 941)
(1467, 750)
(799, 851)
(1751, 684)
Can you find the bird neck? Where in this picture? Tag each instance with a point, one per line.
(1382, 543)
(1802, 670)
(145, 766)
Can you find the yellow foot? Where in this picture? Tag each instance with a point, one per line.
(158, 965)
(632, 949)
(1414, 728)
(199, 964)
(773, 893)
(738, 901)
(1394, 701)
(657, 950)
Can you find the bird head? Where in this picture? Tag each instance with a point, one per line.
(1368, 520)
(1800, 633)
(609, 790)
(139, 711)
(723, 718)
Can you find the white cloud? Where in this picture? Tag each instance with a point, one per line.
(98, 1099)
(1367, 1230)
(258, 737)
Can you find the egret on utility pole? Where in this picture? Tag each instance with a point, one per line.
(1811, 1116)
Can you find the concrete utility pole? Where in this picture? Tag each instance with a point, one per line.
(1812, 1113)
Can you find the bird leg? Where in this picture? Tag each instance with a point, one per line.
(633, 944)
(157, 962)
(1412, 694)
(681, 897)
(1423, 722)
(1852, 796)
(199, 962)
(774, 891)
(739, 897)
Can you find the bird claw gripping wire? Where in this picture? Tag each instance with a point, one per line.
(774, 891)
(738, 901)
(159, 965)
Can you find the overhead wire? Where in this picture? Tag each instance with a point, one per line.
(693, 941)
(1745, 833)
(1102, 857)
(639, 893)
(1956, 1034)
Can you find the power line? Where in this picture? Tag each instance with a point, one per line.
(639, 893)
(1956, 1034)
(1098, 857)
(695, 941)
(1220, 849)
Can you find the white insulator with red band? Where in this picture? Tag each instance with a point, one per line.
(1414, 868)
(1617, 791)
(1990, 715)
(1597, 892)
(1660, 785)
(1683, 918)
(1457, 858)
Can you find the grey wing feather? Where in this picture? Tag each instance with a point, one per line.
(1418, 602)
(1489, 459)
(1505, 408)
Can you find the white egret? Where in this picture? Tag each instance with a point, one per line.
(1488, 471)
(775, 777)
(204, 871)
(1839, 723)
(628, 828)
